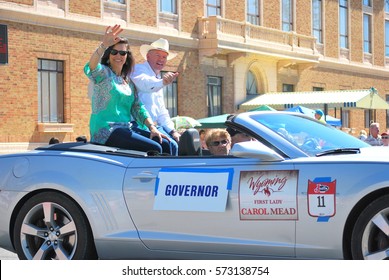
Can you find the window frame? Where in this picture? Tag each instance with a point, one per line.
(368, 117)
(287, 22)
(216, 7)
(53, 109)
(250, 77)
(173, 6)
(387, 38)
(214, 93)
(253, 18)
(344, 35)
(345, 118)
(367, 33)
(287, 87)
(387, 111)
(367, 22)
(117, 1)
(317, 31)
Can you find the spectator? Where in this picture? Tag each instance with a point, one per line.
(150, 83)
(362, 135)
(53, 140)
(202, 133)
(319, 115)
(81, 138)
(218, 142)
(374, 137)
(385, 139)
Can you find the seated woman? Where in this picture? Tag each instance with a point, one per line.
(218, 142)
(115, 102)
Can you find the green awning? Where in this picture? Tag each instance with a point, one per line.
(364, 99)
(213, 122)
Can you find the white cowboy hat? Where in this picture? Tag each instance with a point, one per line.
(161, 44)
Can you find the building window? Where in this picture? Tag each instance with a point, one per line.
(253, 12)
(170, 96)
(369, 118)
(287, 15)
(367, 33)
(367, 3)
(343, 23)
(287, 87)
(50, 91)
(117, 1)
(345, 118)
(214, 98)
(387, 38)
(317, 22)
(317, 89)
(387, 6)
(213, 8)
(168, 6)
(251, 84)
(387, 111)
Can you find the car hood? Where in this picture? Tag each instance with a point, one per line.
(380, 152)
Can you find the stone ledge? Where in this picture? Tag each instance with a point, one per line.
(55, 127)
(19, 147)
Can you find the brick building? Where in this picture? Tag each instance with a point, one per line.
(229, 51)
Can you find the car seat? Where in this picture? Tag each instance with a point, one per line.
(189, 144)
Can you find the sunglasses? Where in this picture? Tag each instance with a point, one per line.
(385, 137)
(115, 52)
(217, 143)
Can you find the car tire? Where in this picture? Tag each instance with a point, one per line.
(370, 236)
(52, 226)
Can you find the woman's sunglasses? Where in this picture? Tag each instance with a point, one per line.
(122, 53)
(217, 143)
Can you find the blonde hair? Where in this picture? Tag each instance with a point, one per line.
(216, 133)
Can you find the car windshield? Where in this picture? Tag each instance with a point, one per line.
(312, 137)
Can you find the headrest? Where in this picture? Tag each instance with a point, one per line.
(189, 143)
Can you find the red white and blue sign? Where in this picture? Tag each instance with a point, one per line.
(321, 198)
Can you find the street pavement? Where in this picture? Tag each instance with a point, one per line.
(7, 255)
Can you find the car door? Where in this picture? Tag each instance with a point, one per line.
(252, 212)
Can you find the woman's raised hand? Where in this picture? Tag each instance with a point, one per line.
(111, 35)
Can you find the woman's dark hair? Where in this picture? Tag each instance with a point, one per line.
(128, 67)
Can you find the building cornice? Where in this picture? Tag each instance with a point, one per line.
(82, 23)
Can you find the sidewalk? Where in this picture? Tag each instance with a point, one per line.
(7, 255)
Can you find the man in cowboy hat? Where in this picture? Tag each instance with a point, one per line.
(149, 83)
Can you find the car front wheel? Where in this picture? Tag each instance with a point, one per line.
(51, 226)
(370, 236)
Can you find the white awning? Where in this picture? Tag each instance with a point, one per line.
(364, 99)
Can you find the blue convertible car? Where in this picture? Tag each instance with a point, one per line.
(302, 190)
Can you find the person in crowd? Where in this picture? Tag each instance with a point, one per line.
(374, 137)
(238, 136)
(115, 102)
(202, 133)
(319, 115)
(385, 139)
(362, 135)
(149, 82)
(218, 142)
(81, 138)
(53, 140)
